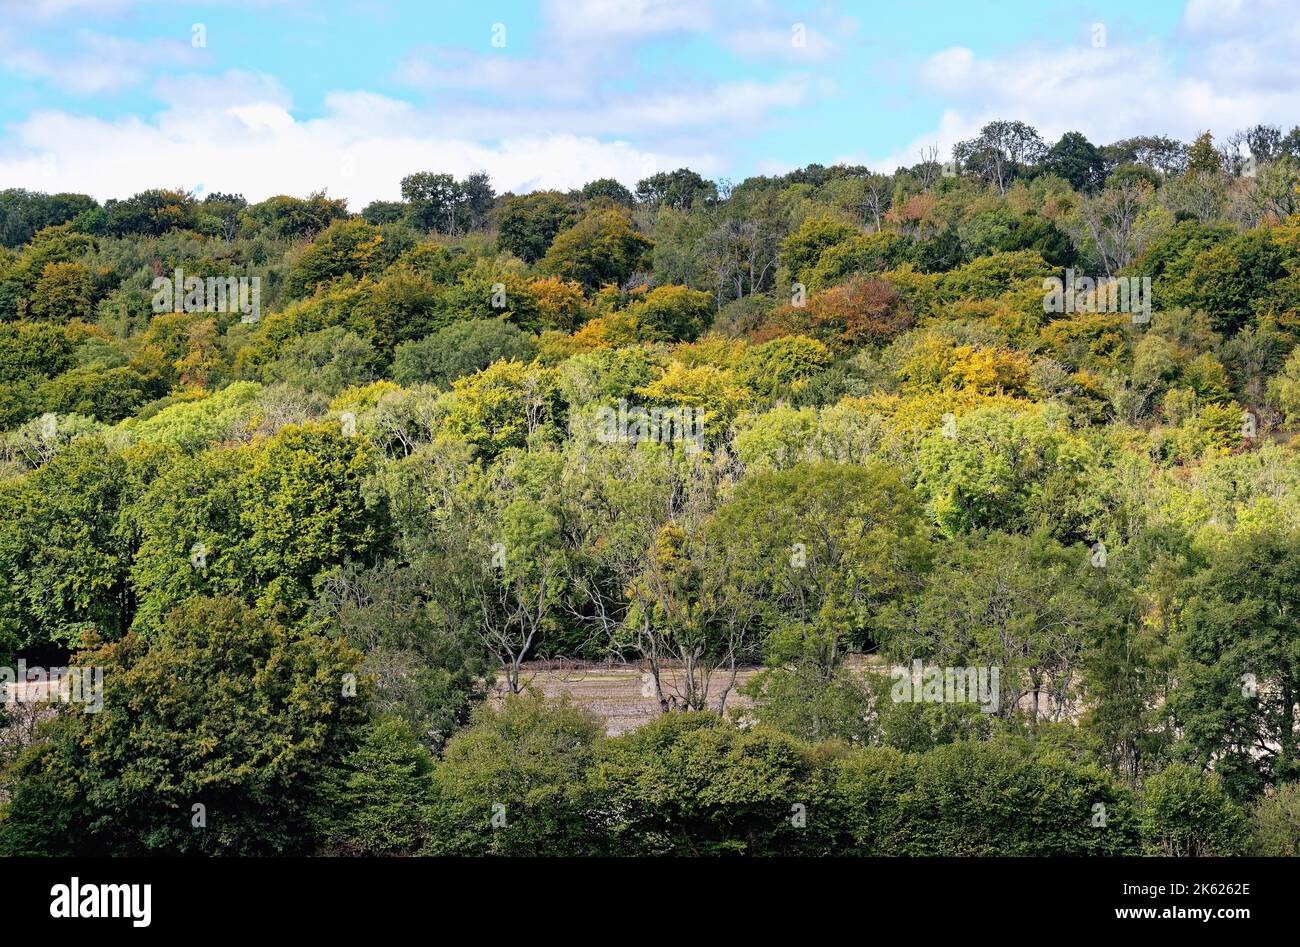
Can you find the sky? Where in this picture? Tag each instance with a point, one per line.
(259, 97)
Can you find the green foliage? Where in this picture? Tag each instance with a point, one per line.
(784, 364)
(523, 766)
(1241, 666)
(326, 361)
(346, 247)
(602, 248)
(674, 312)
(292, 217)
(689, 784)
(1003, 469)
(502, 406)
(458, 350)
(987, 799)
(1275, 823)
(221, 710)
(1077, 160)
(64, 554)
(528, 224)
(380, 800)
(802, 251)
(203, 422)
(303, 507)
(800, 700)
(829, 543)
(1186, 813)
(405, 453)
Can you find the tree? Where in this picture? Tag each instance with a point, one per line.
(600, 249)
(502, 406)
(690, 784)
(378, 800)
(607, 189)
(215, 737)
(1203, 157)
(1275, 823)
(1000, 152)
(1226, 279)
(427, 674)
(1077, 160)
(674, 312)
(1276, 195)
(528, 224)
(326, 361)
(460, 349)
(433, 200)
(303, 508)
(1003, 469)
(680, 189)
(440, 203)
(690, 607)
(1284, 388)
(65, 552)
(1113, 221)
(384, 212)
(294, 217)
(803, 249)
(1157, 152)
(1239, 678)
(830, 544)
(23, 213)
(64, 292)
(972, 798)
(346, 248)
(1024, 605)
(513, 783)
(1186, 813)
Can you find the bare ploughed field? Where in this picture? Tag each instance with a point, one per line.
(613, 691)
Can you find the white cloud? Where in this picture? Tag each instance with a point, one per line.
(618, 20)
(360, 149)
(794, 43)
(99, 63)
(1231, 65)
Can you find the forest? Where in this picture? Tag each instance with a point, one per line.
(297, 496)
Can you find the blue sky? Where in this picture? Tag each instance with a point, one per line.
(264, 97)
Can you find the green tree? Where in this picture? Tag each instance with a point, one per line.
(64, 552)
(691, 784)
(502, 406)
(680, 189)
(1240, 674)
(1023, 605)
(64, 292)
(674, 312)
(600, 249)
(378, 801)
(829, 544)
(1077, 160)
(528, 224)
(214, 738)
(304, 507)
(1275, 823)
(458, 350)
(513, 782)
(1186, 813)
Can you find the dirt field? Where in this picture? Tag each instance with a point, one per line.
(614, 691)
